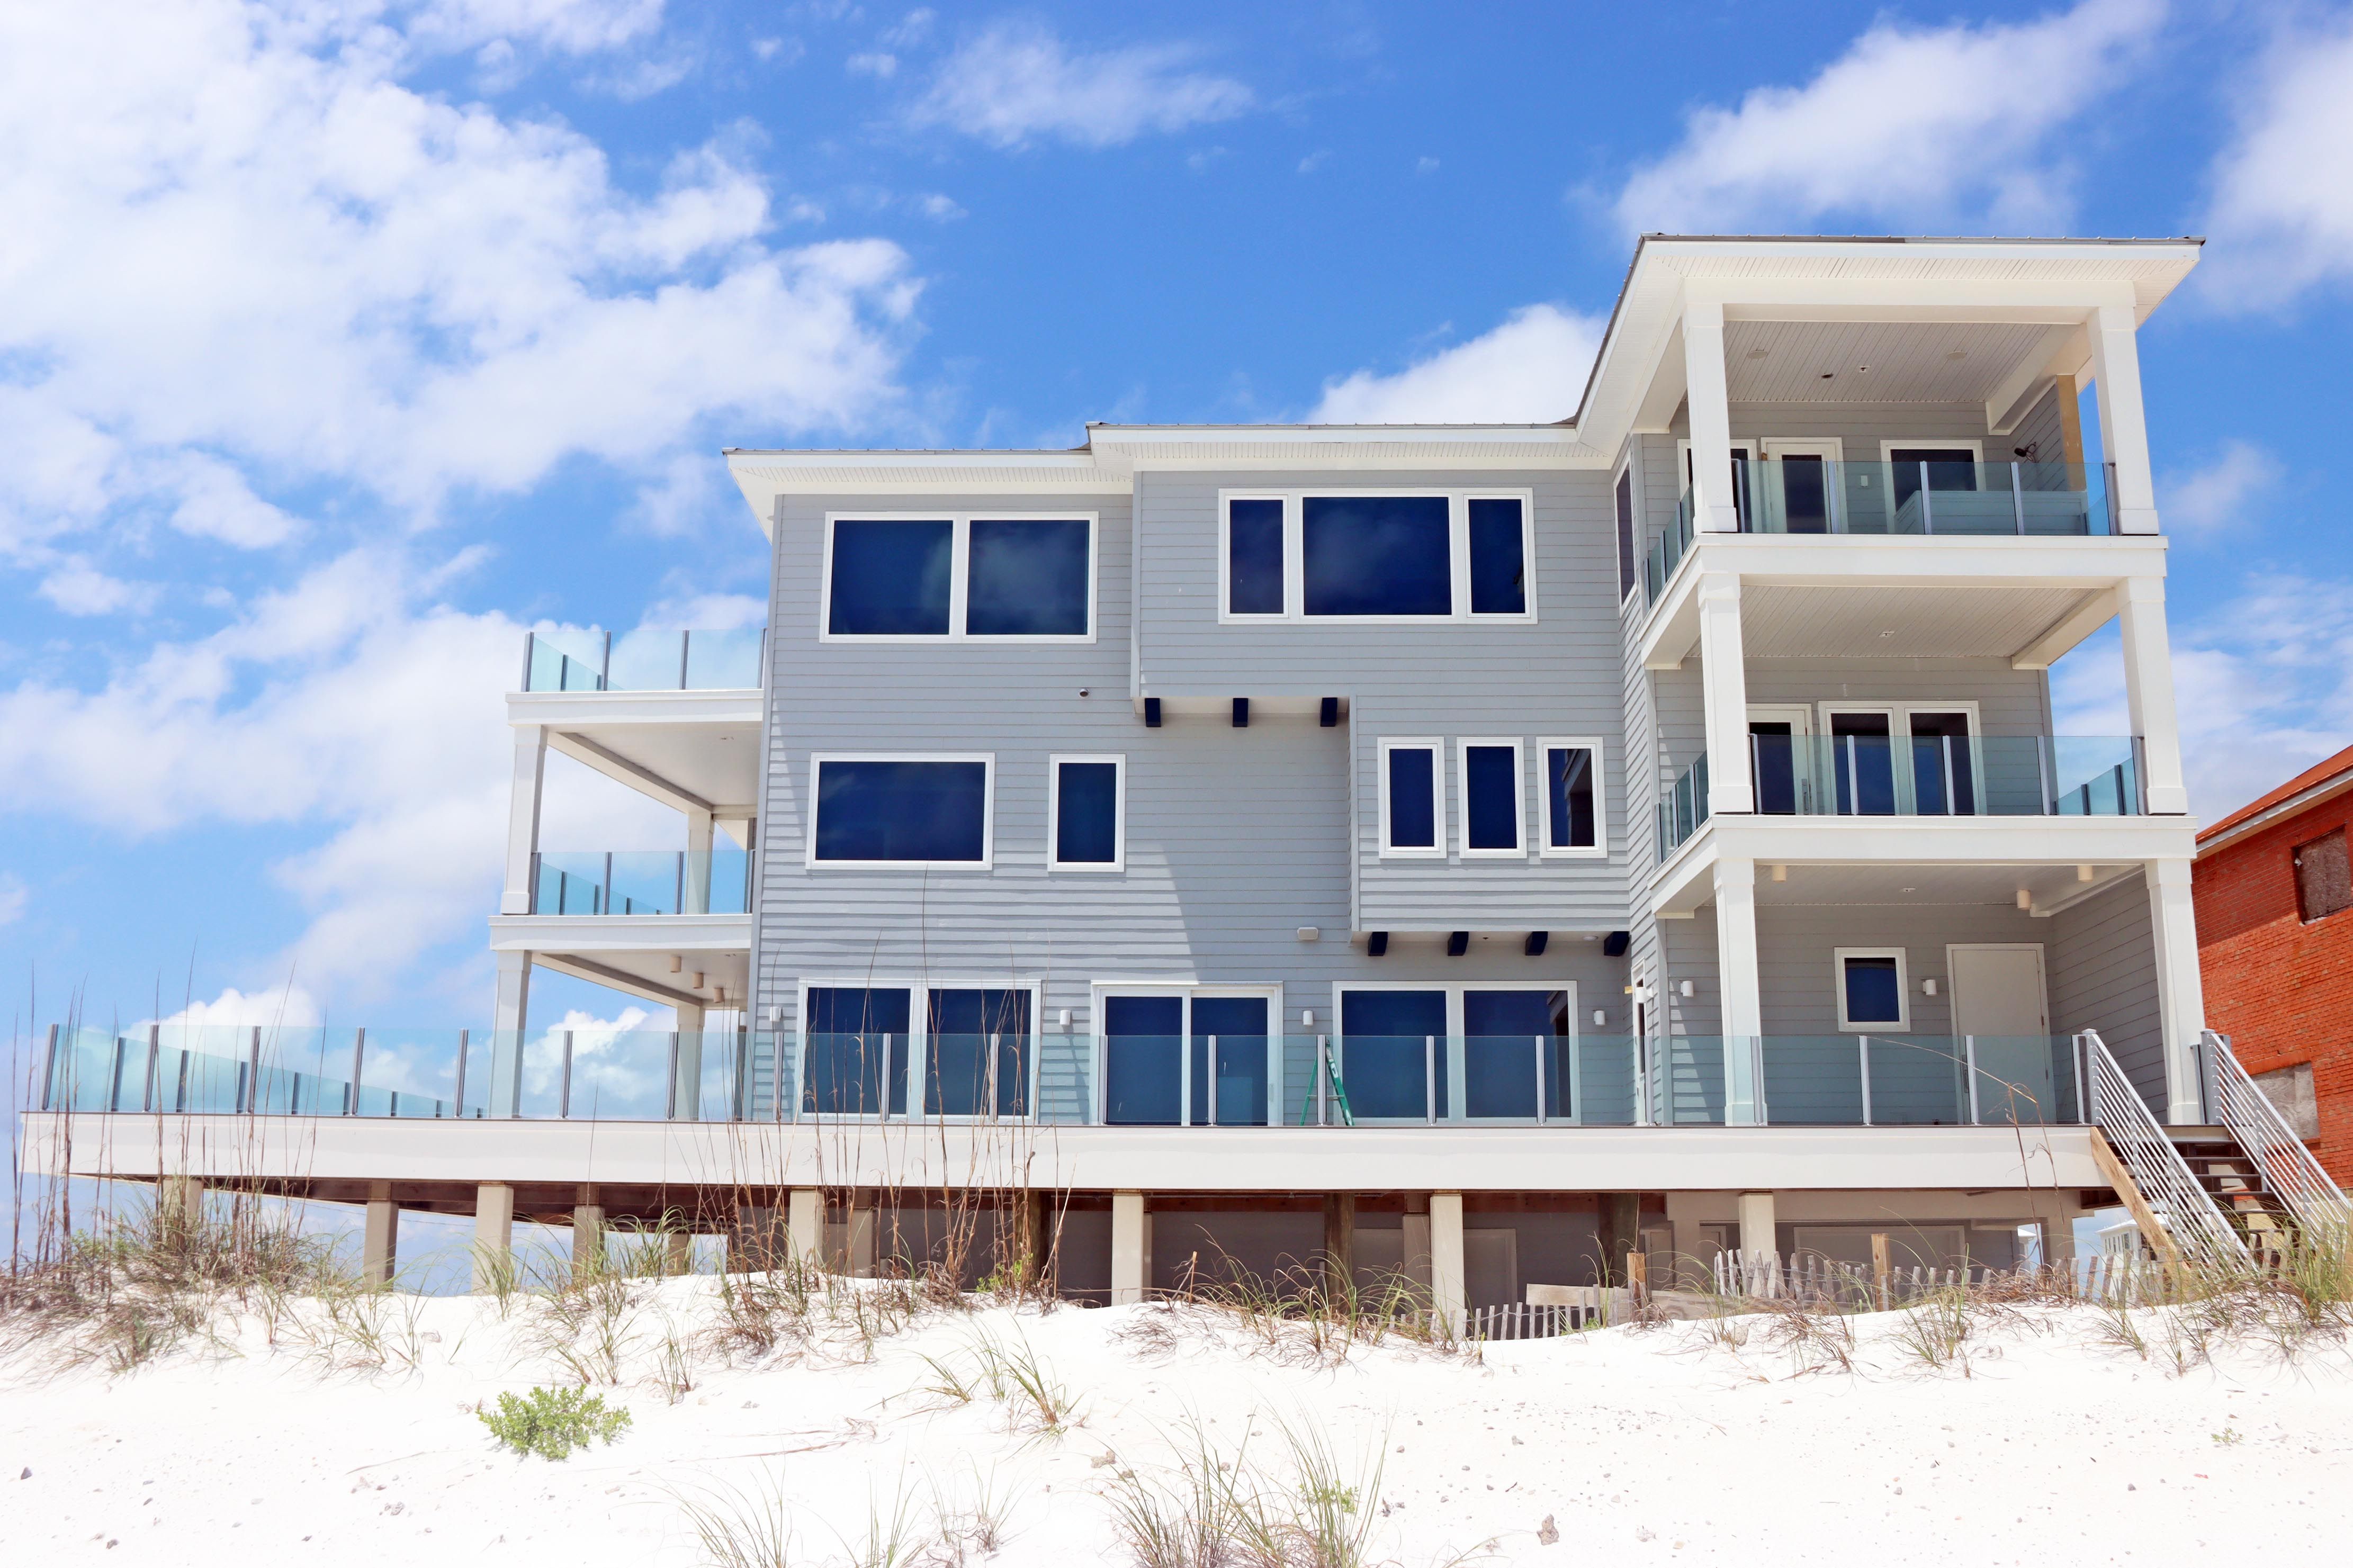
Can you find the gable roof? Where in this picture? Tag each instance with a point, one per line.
(2316, 784)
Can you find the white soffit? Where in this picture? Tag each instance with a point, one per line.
(1873, 362)
(1942, 621)
(1901, 887)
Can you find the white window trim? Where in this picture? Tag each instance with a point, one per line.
(1600, 847)
(1899, 729)
(1462, 744)
(1903, 1024)
(1829, 448)
(1458, 519)
(918, 1036)
(1436, 747)
(1118, 861)
(1453, 1042)
(959, 572)
(1917, 443)
(1186, 991)
(987, 861)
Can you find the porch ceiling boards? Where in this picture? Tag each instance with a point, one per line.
(1875, 362)
(1942, 621)
(690, 750)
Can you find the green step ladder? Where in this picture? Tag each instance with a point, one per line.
(1330, 1075)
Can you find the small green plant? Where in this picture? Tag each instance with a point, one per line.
(2227, 1437)
(552, 1422)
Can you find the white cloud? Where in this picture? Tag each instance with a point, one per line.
(2282, 218)
(81, 589)
(286, 1007)
(1425, 165)
(1014, 81)
(881, 67)
(1911, 124)
(1315, 160)
(2216, 498)
(1530, 370)
(13, 899)
(239, 241)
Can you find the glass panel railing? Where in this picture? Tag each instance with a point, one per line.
(1687, 1084)
(1668, 548)
(1918, 1080)
(646, 661)
(1944, 776)
(716, 881)
(1807, 495)
(1685, 808)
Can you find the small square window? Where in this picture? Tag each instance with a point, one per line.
(889, 578)
(1870, 993)
(1409, 798)
(1028, 577)
(1492, 811)
(1089, 829)
(2324, 880)
(1572, 797)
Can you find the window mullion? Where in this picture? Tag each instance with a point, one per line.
(1458, 552)
(959, 572)
(1294, 560)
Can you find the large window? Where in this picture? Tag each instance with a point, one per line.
(1413, 1052)
(904, 812)
(1397, 556)
(1572, 797)
(1087, 812)
(1491, 807)
(1870, 993)
(1026, 578)
(976, 1053)
(869, 1050)
(1199, 1057)
(855, 1050)
(1410, 795)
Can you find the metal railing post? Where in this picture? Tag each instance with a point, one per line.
(253, 1073)
(563, 1092)
(1927, 509)
(1323, 1080)
(457, 1091)
(1429, 1078)
(604, 673)
(1576, 1117)
(530, 645)
(1540, 1079)
(1969, 1057)
(1862, 1052)
(682, 638)
(149, 1099)
(678, 905)
(359, 1051)
(2046, 749)
(2017, 499)
(50, 1070)
(670, 1101)
(1213, 1081)
(607, 893)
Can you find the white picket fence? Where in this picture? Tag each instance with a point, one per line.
(1517, 1320)
(2106, 1280)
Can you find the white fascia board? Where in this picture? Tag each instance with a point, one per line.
(587, 709)
(1294, 446)
(764, 477)
(620, 933)
(1004, 1154)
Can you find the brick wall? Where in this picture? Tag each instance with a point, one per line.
(2280, 989)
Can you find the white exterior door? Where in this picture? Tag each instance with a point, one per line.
(1997, 990)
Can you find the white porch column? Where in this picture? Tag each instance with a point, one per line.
(1450, 1297)
(493, 1232)
(522, 816)
(1741, 1009)
(2180, 988)
(688, 1089)
(1724, 690)
(508, 1022)
(2123, 431)
(2148, 692)
(1757, 1232)
(1714, 509)
(180, 1202)
(587, 1240)
(805, 1226)
(1131, 1250)
(698, 863)
(380, 1241)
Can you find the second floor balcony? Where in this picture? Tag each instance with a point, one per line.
(643, 882)
(646, 661)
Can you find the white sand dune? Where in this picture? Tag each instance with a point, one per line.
(1650, 1445)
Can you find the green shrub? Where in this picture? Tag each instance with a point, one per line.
(552, 1422)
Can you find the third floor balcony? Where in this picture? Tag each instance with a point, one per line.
(646, 661)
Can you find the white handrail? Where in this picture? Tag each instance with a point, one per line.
(2286, 1166)
(2182, 1206)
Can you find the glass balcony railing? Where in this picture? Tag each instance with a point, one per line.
(1812, 495)
(1946, 776)
(716, 881)
(1685, 807)
(647, 661)
(1300, 1080)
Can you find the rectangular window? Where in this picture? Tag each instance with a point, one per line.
(854, 1060)
(1514, 1045)
(1254, 574)
(2324, 880)
(1625, 531)
(1087, 813)
(1409, 798)
(901, 811)
(1493, 814)
(1143, 1062)
(1401, 557)
(898, 579)
(1390, 1040)
(1871, 998)
(1572, 775)
(976, 1053)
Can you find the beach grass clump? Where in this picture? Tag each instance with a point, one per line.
(553, 1422)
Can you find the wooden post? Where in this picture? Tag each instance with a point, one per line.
(1638, 1276)
(1879, 1269)
(2160, 1241)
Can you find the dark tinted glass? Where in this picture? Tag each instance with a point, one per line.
(1569, 792)
(1863, 764)
(1506, 1032)
(1805, 495)
(1625, 533)
(1086, 813)
(1499, 567)
(901, 811)
(856, 1059)
(1773, 764)
(1239, 1025)
(1946, 468)
(1027, 579)
(1944, 782)
(1871, 995)
(1254, 558)
(1413, 798)
(1384, 1052)
(978, 1050)
(1376, 555)
(1491, 797)
(891, 578)
(1141, 1082)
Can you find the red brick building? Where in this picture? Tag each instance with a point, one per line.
(2274, 895)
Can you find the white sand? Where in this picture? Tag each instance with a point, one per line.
(1652, 1446)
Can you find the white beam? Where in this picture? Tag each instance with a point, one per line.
(2123, 429)
(1724, 686)
(1741, 1007)
(2148, 693)
(2094, 611)
(1449, 1295)
(522, 816)
(1710, 412)
(1131, 1250)
(2181, 987)
(1768, 299)
(494, 1204)
(620, 770)
(2019, 393)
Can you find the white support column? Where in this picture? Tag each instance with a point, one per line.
(2148, 692)
(379, 1242)
(522, 816)
(1723, 691)
(805, 1226)
(493, 1233)
(1450, 1298)
(2123, 430)
(698, 863)
(1131, 1250)
(1741, 1007)
(689, 1062)
(2180, 987)
(1712, 506)
(509, 1018)
(587, 1240)
(1757, 1235)
(180, 1203)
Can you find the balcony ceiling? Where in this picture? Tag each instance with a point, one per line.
(1908, 362)
(1899, 887)
(1923, 621)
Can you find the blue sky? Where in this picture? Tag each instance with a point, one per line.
(346, 340)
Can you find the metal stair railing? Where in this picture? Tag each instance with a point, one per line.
(2192, 1218)
(2238, 1103)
